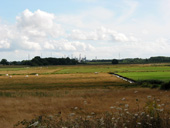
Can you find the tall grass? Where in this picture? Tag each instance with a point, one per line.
(153, 115)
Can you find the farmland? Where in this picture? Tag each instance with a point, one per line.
(79, 89)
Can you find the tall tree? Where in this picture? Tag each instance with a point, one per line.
(4, 62)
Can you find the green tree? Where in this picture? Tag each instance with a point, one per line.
(115, 61)
(4, 62)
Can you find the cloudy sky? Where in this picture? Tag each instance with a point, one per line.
(93, 28)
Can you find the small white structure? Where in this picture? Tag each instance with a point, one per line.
(34, 124)
(96, 72)
(135, 91)
(6, 74)
(72, 114)
(10, 76)
(85, 102)
(123, 99)
(26, 76)
(36, 74)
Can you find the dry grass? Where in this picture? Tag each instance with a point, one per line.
(58, 81)
(80, 102)
(28, 70)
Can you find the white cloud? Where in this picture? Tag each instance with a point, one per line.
(4, 44)
(30, 45)
(6, 36)
(78, 34)
(82, 46)
(5, 31)
(101, 33)
(66, 45)
(44, 32)
(145, 32)
(147, 49)
(38, 31)
(49, 46)
(120, 37)
(39, 23)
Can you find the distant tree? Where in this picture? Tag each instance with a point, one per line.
(4, 62)
(115, 61)
(25, 62)
(36, 61)
(14, 63)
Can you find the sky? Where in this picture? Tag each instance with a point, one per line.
(102, 29)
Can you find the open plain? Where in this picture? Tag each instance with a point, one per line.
(82, 90)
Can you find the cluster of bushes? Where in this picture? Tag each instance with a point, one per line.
(154, 84)
(165, 86)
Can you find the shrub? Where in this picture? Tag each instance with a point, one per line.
(114, 61)
(165, 86)
(149, 83)
(155, 86)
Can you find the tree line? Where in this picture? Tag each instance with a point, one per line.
(38, 61)
(157, 59)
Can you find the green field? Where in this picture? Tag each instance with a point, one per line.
(164, 76)
(136, 72)
(133, 71)
(151, 72)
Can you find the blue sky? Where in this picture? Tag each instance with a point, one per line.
(102, 28)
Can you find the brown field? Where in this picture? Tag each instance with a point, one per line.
(81, 102)
(59, 81)
(80, 93)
